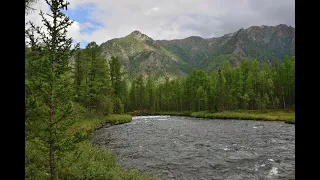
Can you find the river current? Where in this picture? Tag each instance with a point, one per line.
(174, 147)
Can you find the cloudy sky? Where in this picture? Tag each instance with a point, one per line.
(102, 20)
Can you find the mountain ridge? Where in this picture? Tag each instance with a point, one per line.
(140, 54)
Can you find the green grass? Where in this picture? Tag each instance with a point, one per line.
(248, 115)
(83, 128)
(287, 116)
(91, 162)
(85, 161)
(172, 113)
(97, 163)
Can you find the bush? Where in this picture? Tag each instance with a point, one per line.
(118, 119)
(118, 106)
(85, 161)
(105, 105)
(276, 103)
(262, 102)
(36, 160)
(78, 110)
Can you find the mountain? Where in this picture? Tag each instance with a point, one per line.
(138, 53)
(141, 54)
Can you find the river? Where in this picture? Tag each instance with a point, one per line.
(174, 147)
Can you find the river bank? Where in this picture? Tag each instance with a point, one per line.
(91, 161)
(178, 147)
(79, 158)
(287, 116)
(96, 162)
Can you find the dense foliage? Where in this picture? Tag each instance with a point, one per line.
(141, 54)
(67, 94)
(70, 91)
(247, 86)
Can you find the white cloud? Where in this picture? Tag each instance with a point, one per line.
(174, 19)
(73, 30)
(153, 10)
(86, 25)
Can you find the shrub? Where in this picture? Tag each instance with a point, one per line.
(118, 106)
(36, 160)
(105, 105)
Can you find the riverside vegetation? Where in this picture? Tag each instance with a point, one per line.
(64, 104)
(247, 91)
(286, 116)
(70, 91)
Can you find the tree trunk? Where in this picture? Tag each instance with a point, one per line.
(52, 163)
(272, 102)
(284, 102)
(25, 113)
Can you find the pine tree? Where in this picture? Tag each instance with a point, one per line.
(115, 75)
(151, 93)
(78, 73)
(54, 71)
(28, 6)
(133, 95)
(220, 92)
(202, 100)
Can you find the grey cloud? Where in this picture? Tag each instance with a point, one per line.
(176, 19)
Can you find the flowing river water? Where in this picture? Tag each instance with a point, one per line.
(174, 147)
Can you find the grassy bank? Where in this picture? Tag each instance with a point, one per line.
(286, 116)
(172, 113)
(85, 160)
(83, 128)
(95, 162)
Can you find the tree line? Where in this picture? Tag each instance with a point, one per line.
(250, 86)
(104, 86)
(62, 80)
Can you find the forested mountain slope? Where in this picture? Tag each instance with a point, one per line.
(140, 54)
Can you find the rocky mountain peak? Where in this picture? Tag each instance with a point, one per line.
(141, 54)
(140, 35)
(282, 25)
(136, 32)
(240, 30)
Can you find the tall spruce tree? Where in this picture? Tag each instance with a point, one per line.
(115, 75)
(53, 83)
(28, 6)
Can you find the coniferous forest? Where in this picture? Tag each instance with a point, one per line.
(70, 91)
(249, 86)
